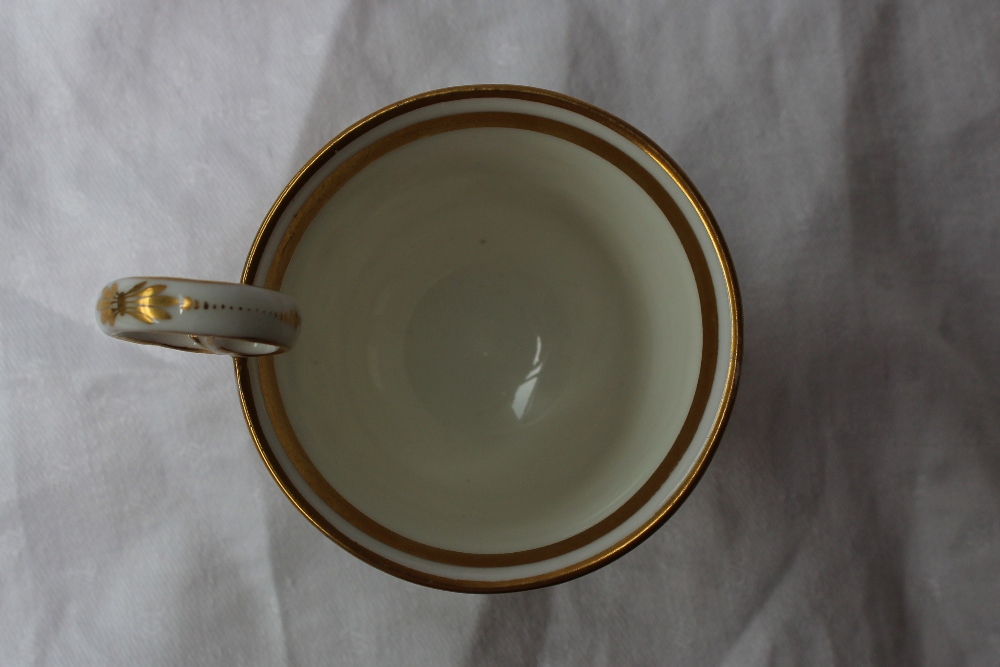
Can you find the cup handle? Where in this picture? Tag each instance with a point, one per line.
(199, 315)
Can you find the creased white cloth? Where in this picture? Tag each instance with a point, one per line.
(851, 153)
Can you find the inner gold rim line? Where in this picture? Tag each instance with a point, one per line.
(357, 162)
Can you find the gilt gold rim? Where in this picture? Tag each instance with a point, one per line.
(709, 316)
(703, 280)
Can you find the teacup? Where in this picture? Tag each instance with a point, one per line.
(509, 329)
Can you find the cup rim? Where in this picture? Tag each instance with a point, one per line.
(706, 449)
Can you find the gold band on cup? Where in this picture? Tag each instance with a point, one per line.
(700, 409)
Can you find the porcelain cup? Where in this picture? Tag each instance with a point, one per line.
(486, 339)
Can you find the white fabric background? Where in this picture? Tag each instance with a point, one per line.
(851, 152)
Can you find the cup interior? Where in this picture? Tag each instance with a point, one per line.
(501, 339)
(520, 339)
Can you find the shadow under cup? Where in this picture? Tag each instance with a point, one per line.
(509, 364)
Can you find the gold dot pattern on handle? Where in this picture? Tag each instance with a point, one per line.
(148, 305)
(289, 317)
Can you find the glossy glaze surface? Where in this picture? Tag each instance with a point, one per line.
(501, 339)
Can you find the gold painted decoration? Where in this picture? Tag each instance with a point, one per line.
(268, 408)
(143, 303)
(291, 318)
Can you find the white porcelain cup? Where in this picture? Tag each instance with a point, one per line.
(509, 330)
